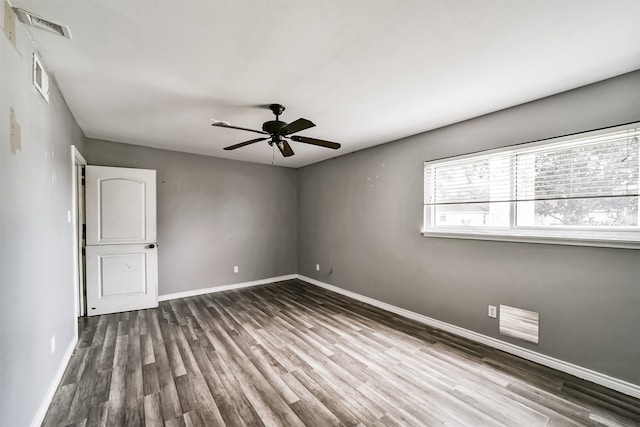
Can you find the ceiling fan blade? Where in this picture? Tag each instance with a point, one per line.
(227, 125)
(313, 141)
(296, 126)
(285, 148)
(242, 144)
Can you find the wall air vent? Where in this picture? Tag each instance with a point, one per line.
(36, 21)
(40, 78)
(519, 323)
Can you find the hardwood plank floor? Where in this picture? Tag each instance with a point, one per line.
(292, 354)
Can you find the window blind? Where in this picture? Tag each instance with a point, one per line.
(602, 166)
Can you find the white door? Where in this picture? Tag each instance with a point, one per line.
(121, 251)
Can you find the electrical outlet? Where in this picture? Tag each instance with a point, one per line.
(235, 268)
(53, 344)
(492, 311)
(317, 267)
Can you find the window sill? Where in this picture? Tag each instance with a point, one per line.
(621, 242)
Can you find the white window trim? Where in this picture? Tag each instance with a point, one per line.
(503, 236)
(620, 237)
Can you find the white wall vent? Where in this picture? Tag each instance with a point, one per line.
(36, 21)
(40, 78)
(519, 323)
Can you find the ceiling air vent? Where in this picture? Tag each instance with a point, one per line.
(36, 21)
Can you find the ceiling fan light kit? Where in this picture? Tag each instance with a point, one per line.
(278, 132)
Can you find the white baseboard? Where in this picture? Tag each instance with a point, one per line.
(46, 401)
(222, 288)
(551, 362)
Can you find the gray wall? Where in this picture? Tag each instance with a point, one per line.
(359, 217)
(36, 261)
(213, 214)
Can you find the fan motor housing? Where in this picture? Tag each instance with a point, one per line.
(273, 126)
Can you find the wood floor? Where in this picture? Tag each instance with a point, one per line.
(293, 354)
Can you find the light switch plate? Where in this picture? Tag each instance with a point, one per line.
(15, 138)
(9, 23)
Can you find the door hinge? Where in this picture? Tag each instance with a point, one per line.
(84, 231)
(82, 174)
(84, 252)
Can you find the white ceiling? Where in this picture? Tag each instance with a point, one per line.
(154, 73)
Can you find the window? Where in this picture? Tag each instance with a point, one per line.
(577, 190)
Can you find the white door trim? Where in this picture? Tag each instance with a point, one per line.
(77, 196)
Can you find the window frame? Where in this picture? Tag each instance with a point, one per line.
(601, 236)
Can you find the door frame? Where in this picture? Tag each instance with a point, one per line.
(77, 203)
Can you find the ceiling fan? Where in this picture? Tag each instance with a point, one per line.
(278, 132)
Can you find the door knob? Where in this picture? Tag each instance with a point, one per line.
(151, 246)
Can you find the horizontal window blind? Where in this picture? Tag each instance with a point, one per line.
(602, 166)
